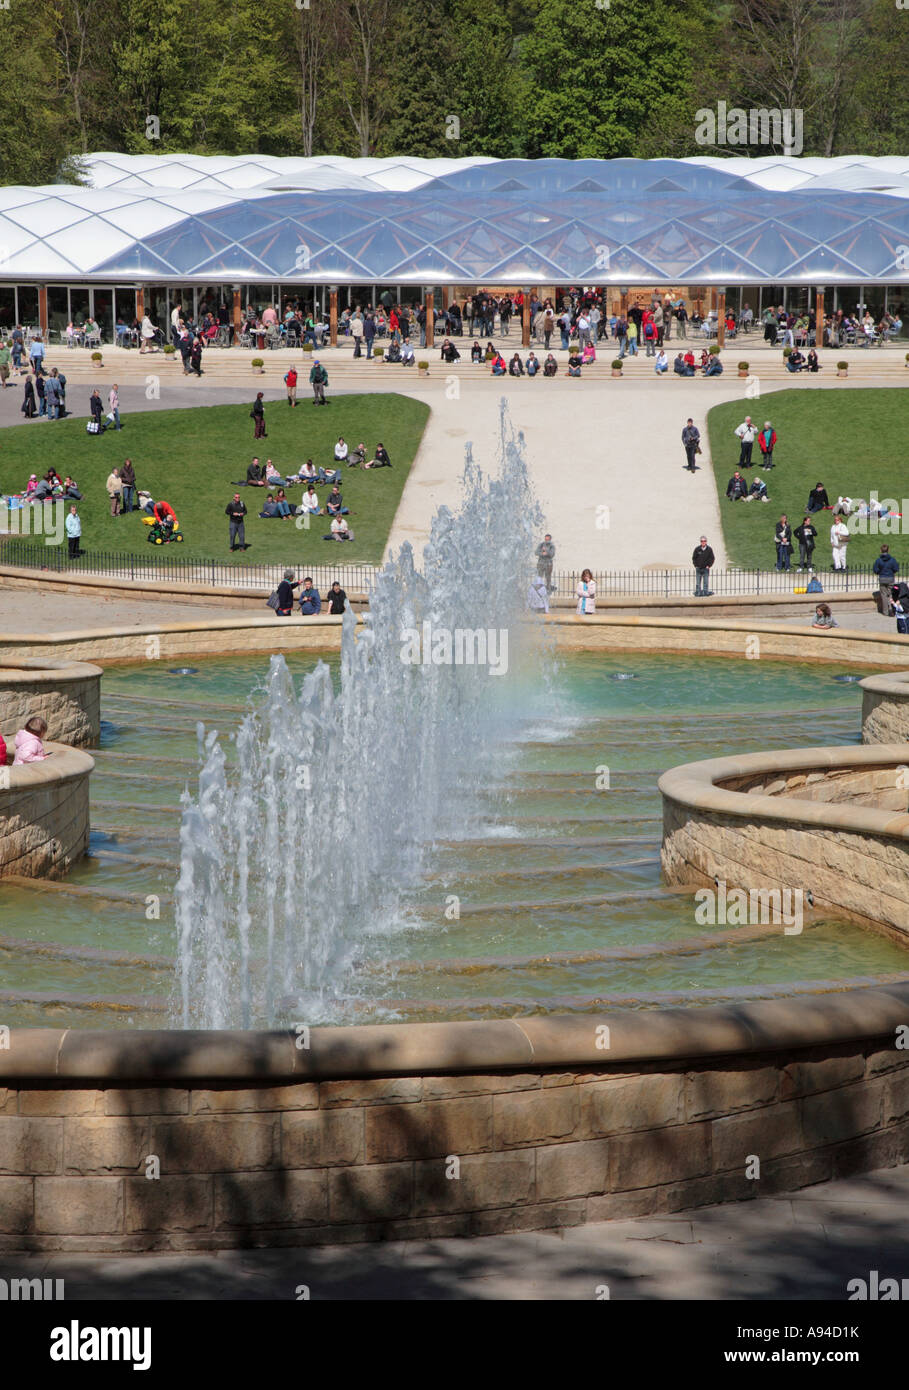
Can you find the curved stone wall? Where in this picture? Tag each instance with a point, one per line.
(44, 817)
(829, 821)
(707, 636)
(885, 708)
(65, 693)
(421, 1130)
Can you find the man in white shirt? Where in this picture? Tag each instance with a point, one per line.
(341, 451)
(407, 354)
(839, 539)
(356, 332)
(746, 433)
(340, 531)
(583, 329)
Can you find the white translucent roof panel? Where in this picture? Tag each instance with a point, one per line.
(465, 220)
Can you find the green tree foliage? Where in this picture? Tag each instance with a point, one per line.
(506, 78)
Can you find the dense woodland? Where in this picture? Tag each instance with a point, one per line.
(525, 78)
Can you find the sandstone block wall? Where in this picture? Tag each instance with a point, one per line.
(417, 1156)
(44, 815)
(66, 694)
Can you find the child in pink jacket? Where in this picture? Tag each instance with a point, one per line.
(29, 748)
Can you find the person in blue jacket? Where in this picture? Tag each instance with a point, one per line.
(310, 601)
(886, 568)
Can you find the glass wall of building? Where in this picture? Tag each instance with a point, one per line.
(7, 306)
(103, 311)
(57, 311)
(125, 304)
(27, 305)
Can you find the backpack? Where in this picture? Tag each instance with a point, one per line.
(814, 586)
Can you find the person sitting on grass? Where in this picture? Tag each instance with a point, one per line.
(269, 508)
(310, 502)
(333, 504)
(818, 500)
(310, 602)
(255, 474)
(550, 366)
(340, 531)
(272, 477)
(284, 507)
(758, 491)
(341, 450)
(357, 457)
(381, 459)
(737, 487)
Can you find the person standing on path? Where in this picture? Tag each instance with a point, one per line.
(545, 556)
(691, 439)
(318, 380)
(236, 511)
(745, 434)
(839, 539)
(587, 594)
(886, 568)
(257, 415)
(73, 532)
(113, 401)
(290, 381)
(356, 332)
(703, 560)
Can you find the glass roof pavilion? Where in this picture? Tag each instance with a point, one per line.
(194, 219)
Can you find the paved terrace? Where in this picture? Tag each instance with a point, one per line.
(605, 442)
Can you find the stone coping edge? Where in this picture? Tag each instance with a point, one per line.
(695, 785)
(574, 620)
(40, 670)
(893, 684)
(57, 1058)
(64, 763)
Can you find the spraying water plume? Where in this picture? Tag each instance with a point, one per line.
(314, 837)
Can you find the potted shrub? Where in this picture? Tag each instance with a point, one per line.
(422, 367)
(617, 366)
(907, 359)
(378, 352)
(307, 346)
(170, 351)
(97, 360)
(714, 349)
(787, 353)
(743, 369)
(258, 365)
(842, 368)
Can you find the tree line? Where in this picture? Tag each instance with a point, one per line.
(508, 78)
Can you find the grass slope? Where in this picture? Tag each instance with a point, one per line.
(852, 441)
(191, 457)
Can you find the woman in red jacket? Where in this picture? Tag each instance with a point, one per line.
(767, 439)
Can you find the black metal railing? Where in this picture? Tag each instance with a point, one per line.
(356, 578)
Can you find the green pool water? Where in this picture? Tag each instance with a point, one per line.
(554, 874)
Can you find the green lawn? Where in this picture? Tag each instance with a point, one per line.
(190, 457)
(852, 441)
